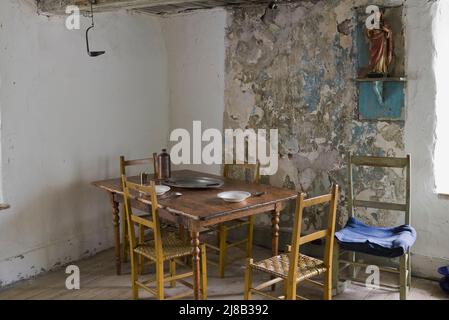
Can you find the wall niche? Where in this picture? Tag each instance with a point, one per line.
(381, 97)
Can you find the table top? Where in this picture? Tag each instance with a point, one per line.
(203, 204)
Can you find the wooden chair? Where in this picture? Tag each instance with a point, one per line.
(152, 161)
(224, 228)
(160, 249)
(404, 269)
(306, 267)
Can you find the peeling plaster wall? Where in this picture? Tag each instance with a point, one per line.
(293, 70)
(66, 119)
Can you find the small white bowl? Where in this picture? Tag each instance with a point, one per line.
(234, 196)
(161, 189)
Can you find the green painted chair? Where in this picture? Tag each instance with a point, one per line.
(358, 238)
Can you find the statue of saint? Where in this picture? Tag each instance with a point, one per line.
(380, 49)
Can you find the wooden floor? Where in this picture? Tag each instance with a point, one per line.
(98, 281)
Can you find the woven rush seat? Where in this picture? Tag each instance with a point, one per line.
(171, 247)
(278, 266)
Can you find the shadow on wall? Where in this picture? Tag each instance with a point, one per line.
(60, 224)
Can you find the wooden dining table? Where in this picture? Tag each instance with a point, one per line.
(196, 209)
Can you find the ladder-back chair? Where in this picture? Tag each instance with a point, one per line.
(148, 162)
(158, 250)
(224, 228)
(279, 267)
(389, 242)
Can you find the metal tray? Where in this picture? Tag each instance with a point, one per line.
(194, 182)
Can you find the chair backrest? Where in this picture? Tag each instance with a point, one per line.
(253, 167)
(383, 162)
(131, 190)
(328, 233)
(137, 162)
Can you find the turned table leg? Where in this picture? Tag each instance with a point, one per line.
(275, 233)
(275, 230)
(116, 223)
(196, 263)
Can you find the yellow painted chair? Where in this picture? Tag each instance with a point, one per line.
(123, 164)
(306, 267)
(158, 250)
(223, 229)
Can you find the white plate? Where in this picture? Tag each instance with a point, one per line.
(234, 196)
(161, 189)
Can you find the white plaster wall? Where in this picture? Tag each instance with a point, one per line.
(196, 55)
(430, 213)
(66, 118)
(442, 98)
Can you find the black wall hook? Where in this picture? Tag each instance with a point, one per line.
(92, 53)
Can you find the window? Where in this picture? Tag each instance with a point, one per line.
(442, 98)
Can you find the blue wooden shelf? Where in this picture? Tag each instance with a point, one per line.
(385, 79)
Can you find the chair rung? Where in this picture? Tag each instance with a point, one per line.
(379, 161)
(178, 276)
(313, 236)
(347, 265)
(179, 296)
(314, 282)
(187, 284)
(268, 283)
(381, 286)
(210, 246)
(147, 282)
(237, 243)
(146, 288)
(181, 263)
(169, 278)
(380, 205)
(386, 269)
(317, 200)
(269, 296)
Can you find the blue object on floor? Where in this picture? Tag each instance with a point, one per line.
(388, 242)
(444, 271)
(444, 284)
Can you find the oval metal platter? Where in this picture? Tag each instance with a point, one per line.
(194, 182)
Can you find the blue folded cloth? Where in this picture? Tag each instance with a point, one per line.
(444, 271)
(379, 241)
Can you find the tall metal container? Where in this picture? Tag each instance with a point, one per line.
(164, 165)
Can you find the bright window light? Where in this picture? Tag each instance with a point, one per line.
(442, 99)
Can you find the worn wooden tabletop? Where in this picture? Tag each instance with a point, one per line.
(203, 204)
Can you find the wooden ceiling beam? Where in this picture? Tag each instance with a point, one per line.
(58, 7)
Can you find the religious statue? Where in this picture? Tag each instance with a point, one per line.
(380, 49)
